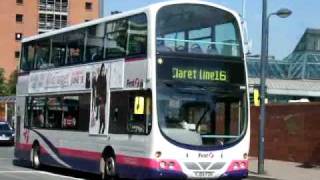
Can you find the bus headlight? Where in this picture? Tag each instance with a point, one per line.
(243, 165)
(238, 165)
(171, 165)
(163, 164)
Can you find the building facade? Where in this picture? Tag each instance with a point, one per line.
(22, 18)
(296, 77)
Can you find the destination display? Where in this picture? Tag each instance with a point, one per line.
(199, 70)
(201, 74)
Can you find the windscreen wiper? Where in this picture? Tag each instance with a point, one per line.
(202, 117)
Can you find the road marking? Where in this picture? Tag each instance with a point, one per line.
(39, 172)
(57, 175)
(1, 172)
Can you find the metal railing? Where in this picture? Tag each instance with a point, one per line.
(54, 7)
(50, 25)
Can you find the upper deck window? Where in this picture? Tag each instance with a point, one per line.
(122, 38)
(28, 53)
(197, 29)
(137, 35)
(95, 43)
(127, 37)
(116, 38)
(42, 54)
(75, 46)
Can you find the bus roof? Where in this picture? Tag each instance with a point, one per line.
(151, 7)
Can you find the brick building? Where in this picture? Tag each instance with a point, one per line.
(21, 18)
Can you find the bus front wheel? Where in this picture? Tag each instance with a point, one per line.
(35, 160)
(109, 168)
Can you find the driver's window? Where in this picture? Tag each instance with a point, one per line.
(130, 112)
(139, 119)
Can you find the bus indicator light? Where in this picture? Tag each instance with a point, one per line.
(160, 61)
(163, 164)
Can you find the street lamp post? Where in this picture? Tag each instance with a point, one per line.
(101, 10)
(282, 13)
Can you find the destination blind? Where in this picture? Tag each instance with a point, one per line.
(206, 71)
(201, 74)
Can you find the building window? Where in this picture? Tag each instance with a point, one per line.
(19, 18)
(17, 54)
(88, 6)
(317, 44)
(18, 36)
(19, 1)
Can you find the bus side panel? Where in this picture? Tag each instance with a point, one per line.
(21, 151)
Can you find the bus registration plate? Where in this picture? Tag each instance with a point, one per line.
(203, 174)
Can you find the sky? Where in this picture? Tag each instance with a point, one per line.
(284, 34)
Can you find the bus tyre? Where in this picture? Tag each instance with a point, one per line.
(109, 170)
(35, 160)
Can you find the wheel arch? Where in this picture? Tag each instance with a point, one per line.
(108, 151)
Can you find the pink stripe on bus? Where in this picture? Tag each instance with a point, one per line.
(120, 159)
(80, 153)
(24, 147)
(137, 161)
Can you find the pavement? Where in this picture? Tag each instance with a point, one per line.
(284, 170)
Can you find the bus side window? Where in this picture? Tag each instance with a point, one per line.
(42, 54)
(75, 46)
(118, 113)
(139, 121)
(137, 35)
(27, 58)
(126, 117)
(95, 40)
(58, 51)
(116, 39)
(136, 121)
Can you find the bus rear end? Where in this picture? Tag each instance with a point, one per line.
(202, 128)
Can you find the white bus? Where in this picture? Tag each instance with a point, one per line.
(158, 92)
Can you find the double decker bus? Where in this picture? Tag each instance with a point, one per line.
(158, 92)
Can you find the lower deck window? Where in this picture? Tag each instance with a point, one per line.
(60, 112)
(130, 112)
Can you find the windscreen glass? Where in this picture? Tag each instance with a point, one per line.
(197, 29)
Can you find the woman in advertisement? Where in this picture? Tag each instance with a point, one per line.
(101, 97)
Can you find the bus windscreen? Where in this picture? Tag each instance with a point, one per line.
(197, 29)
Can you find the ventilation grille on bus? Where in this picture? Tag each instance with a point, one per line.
(204, 165)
